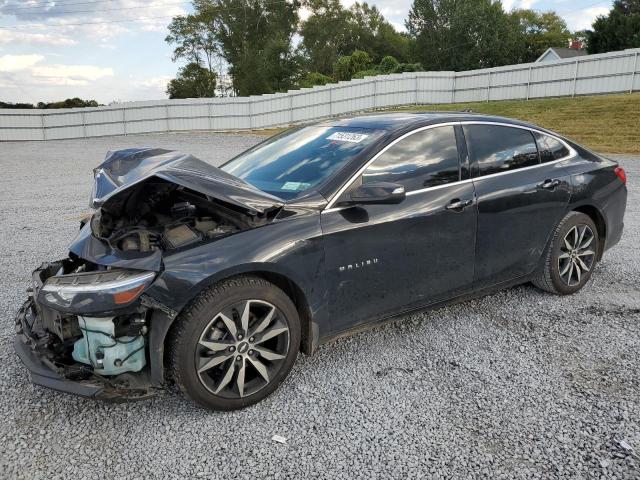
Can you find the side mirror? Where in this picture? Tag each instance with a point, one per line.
(377, 193)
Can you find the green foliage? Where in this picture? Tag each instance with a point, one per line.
(325, 34)
(193, 81)
(15, 105)
(366, 73)
(617, 31)
(388, 64)
(69, 103)
(347, 66)
(314, 78)
(541, 31)
(331, 31)
(252, 40)
(359, 65)
(409, 67)
(252, 37)
(194, 39)
(463, 34)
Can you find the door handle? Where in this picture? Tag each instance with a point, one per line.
(549, 184)
(458, 205)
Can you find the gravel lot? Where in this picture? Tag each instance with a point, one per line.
(520, 384)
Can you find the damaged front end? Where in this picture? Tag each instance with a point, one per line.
(88, 327)
(84, 330)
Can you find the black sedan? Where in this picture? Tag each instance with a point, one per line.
(215, 278)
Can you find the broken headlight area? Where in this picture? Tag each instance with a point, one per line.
(94, 291)
(107, 347)
(159, 215)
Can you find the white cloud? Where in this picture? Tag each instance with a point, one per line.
(69, 74)
(27, 71)
(16, 63)
(14, 37)
(516, 4)
(584, 19)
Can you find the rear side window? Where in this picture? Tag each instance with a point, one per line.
(550, 148)
(499, 149)
(425, 159)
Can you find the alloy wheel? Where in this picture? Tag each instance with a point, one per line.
(577, 254)
(242, 349)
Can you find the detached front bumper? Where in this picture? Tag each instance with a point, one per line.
(39, 351)
(42, 371)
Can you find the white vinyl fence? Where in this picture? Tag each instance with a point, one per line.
(593, 74)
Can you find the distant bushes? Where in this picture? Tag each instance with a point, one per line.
(358, 65)
(68, 103)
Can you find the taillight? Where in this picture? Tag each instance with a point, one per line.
(621, 174)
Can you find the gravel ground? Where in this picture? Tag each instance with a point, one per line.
(519, 384)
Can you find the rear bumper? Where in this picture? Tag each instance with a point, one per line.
(40, 362)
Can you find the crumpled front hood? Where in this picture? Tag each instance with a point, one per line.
(124, 168)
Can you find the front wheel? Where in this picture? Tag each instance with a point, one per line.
(235, 343)
(570, 257)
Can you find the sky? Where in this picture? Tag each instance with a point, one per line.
(114, 50)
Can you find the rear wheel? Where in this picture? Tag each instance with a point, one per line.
(235, 344)
(570, 257)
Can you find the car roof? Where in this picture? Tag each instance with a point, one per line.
(401, 120)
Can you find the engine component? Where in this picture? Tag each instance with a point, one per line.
(221, 230)
(108, 354)
(141, 241)
(157, 216)
(179, 236)
(183, 209)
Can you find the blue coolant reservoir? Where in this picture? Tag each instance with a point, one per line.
(107, 355)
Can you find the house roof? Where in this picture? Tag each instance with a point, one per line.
(556, 53)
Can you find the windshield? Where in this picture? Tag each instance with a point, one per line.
(289, 164)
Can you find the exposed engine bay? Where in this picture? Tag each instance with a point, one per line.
(159, 215)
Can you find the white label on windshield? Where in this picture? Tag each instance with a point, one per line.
(347, 137)
(295, 186)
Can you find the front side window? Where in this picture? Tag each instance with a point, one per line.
(550, 148)
(424, 159)
(500, 149)
(297, 160)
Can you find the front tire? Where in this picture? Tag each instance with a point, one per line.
(235, 343)
(570, 257)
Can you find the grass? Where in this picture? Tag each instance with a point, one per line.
(603, 123)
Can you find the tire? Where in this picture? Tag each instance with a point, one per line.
(569, 248)
(223, 363)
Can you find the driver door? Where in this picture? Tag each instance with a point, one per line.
(384, 259)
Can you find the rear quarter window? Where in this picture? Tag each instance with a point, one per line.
(550, 148)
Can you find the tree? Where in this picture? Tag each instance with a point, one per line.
(74, 102)
(255, 38)
(193, 81)
(388, 64)
(194, 39)
(252, 37)
(463, 34)
(617, 31)
(314, 78)
(541, 31)
(370, 32)
(331, 31)
(347, 66)
(326, 34)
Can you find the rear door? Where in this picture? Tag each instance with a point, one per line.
(520, 200)
(381, 259)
